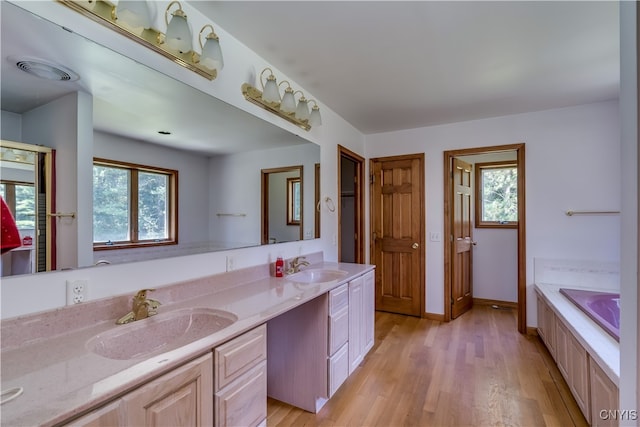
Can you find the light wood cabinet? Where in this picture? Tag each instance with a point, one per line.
(579, 375)
(572, 360)
(338, 357)
(179, 398)
(604, 397)
(356, 327)
(244, 401)
(361, 318)
(369, 310)
(562, 354)
(241, 380)
(593, 391)
(547, 325)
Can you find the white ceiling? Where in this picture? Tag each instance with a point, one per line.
(382, 66)
(394, 65)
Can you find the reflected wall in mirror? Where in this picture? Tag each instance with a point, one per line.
(27, 186)
(121, 110)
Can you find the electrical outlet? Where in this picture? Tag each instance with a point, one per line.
(230, 263)
(77, 291)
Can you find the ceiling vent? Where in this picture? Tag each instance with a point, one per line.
(45, 70)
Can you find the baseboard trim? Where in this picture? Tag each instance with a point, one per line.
(433, 316)
(532, 331)
(482, 301)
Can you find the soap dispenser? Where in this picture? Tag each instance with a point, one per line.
(279, 267)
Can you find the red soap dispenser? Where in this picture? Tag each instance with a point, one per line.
(279, 267)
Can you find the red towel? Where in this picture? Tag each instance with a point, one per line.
(9, 234)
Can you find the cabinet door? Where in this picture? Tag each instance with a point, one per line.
(237, 356)
(562, 356)
(179, 398)
(244, 401)
(355, 323)
(604, 397)
(107, 416)
(338, 369)
(338, 329)
(547, 326)
(578, 366)
(368, 311)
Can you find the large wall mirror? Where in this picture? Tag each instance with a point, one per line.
(144, 117)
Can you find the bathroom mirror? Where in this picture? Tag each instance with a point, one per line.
(142, 116)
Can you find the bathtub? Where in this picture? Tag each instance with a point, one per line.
(602, 307)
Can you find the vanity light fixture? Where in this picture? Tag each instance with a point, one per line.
(284, 106)
(178, 35)
(133, 19)
(134, 13)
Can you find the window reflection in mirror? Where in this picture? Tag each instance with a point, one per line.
(294, 211)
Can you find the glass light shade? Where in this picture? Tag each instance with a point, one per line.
(178, 35)
(134, 13)
(212, 54)
(271, 93)
(288, 101)
(302, 111)
(314, 118)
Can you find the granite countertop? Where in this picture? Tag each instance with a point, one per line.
(61, 377)
(599, 344)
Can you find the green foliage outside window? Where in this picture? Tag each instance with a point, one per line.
(121, 217)
(499, 196)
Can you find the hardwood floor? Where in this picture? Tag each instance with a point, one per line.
(475, 371)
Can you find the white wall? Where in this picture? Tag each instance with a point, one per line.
(572, 162)
(495, 257)
(11, 128)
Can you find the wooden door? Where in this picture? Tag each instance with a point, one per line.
(397, 241)
(461, 227)
(351, 206)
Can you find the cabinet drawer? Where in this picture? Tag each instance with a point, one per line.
(243, 402)
(338, 330)
(338, 369)
(237, 356)
(338, 299)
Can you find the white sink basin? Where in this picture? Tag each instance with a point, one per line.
(317, 275)
(165, 331)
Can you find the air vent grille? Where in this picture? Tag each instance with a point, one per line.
(46, 71)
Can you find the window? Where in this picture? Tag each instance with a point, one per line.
(497, 195)
(133, 205)
(21, 200)
(293, 201)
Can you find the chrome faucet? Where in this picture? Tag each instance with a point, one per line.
(296, 263)
(141, 308)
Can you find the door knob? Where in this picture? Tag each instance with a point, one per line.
(415, 246)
